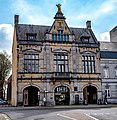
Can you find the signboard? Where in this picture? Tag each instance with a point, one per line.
(61, 89)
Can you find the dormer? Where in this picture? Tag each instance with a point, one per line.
(31, 36)
(85, 37)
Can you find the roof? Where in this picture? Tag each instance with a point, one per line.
(40, 30)
(108, 46)
(114, 29)
(108, 55)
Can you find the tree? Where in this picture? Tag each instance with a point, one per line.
(5, 67)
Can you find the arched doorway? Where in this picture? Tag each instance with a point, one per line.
(30, 96)
(90, 94)
(62, 95)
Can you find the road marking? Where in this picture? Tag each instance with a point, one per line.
(5, 116)
(91, 117)
(66, 117)
(95, 113)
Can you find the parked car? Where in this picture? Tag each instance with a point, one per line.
(3, 102)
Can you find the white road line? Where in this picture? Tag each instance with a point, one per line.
(5, 116)
(66, 117)
(95, 113)
(91, 117)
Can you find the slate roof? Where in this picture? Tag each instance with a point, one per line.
(40, 30)
(108, 55)
(108, 46)
(114, 29)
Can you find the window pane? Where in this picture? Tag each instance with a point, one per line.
(59, 68)
(58, 57)
(59, 38)
(63, 68)
(52, 36)
(55, 56)
(29, 56)
(62, 57)
(37, 56)
(66, 57)
(65, 37)
(55, 68)
(66, 68)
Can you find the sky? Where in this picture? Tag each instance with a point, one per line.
(102, 13)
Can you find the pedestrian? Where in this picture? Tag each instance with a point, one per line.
(44, 101)
(105, 99)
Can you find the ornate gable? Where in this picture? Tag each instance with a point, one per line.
(60, 30)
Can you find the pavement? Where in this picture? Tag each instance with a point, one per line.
(90, 106)
(3, 116)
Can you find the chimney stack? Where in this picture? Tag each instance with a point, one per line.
(88, 24)
(16, 19)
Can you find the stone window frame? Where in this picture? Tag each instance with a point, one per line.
(31, 59)
(88, 62)
(64, 57)
(107, 91)
(106, 71)
(115, 71)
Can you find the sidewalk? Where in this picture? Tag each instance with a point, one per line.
(91, 106)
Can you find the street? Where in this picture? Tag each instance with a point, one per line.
(59, 114)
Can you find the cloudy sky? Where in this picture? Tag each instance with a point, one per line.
(102, 13)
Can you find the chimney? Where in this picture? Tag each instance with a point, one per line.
(16, 19)
(88, 24)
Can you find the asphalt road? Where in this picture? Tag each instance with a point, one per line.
(59, 114)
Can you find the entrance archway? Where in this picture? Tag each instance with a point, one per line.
(62, 95)
(90, 94)
(30, 96)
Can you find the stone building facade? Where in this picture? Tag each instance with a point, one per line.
(108, 64)
(58, 64)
